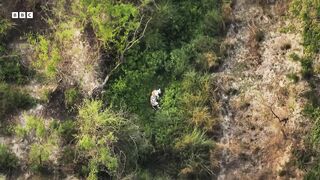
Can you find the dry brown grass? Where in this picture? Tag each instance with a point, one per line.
(261, 2)
(212, 60)
(201, 117)
(281, 7)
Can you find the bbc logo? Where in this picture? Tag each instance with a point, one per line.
(22, 15)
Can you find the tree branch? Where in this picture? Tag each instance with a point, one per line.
(129, 45)
(134, 41)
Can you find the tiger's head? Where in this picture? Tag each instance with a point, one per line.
(159, 91)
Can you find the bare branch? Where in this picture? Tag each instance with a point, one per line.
(110, 73)
(136, 31)
(274, 113)
(130, 44)
(155, 4)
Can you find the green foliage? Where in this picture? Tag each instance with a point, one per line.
(313, 173)
(309, 12)
(193, 150)
(67, 130)
(71, 96)
(294, 57)
(65, 32)
(213, 23)
(12, 99)
(47, 55)
(5, 25)
(11, 71)
(180, 46)
(8, 161)
(294, 77)
(191, 142)
(44, 141)
(39, 156)
(113, 22)
(307, 68)
(98, 133)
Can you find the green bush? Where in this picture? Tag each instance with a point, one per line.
(99, 133)
(39, 156)
(294, 77)
(11, 71)
(307, 68)
(12, 99)
(213, 23)
(194, 151)
(47, 55)
(5, 25)
(112, 21)
(44, 141)
(294, 57)
(308, 12)
(71, 96)
(181, 44)
(8, 161)
(67, 130)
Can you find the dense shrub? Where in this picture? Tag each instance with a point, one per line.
(71, 97)
(100, 133)
(12, 99)
(8, 161)
(11, 71)
(112, 22)
(182, 46)
(5, 25)
(47, 55)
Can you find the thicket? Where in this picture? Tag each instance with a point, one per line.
(172, 45)
(180, 48)
(108, 141)
(308, 12)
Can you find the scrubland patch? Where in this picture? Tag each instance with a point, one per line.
(264, 115)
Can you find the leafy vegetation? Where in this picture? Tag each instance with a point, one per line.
(98, 134)
(8, 161)
(12, 99)
(181, 68)
(43, 140)
(172, 45)
(47, 55)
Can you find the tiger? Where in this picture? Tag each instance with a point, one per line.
(155, 96)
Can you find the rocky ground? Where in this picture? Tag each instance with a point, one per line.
(262, 119)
